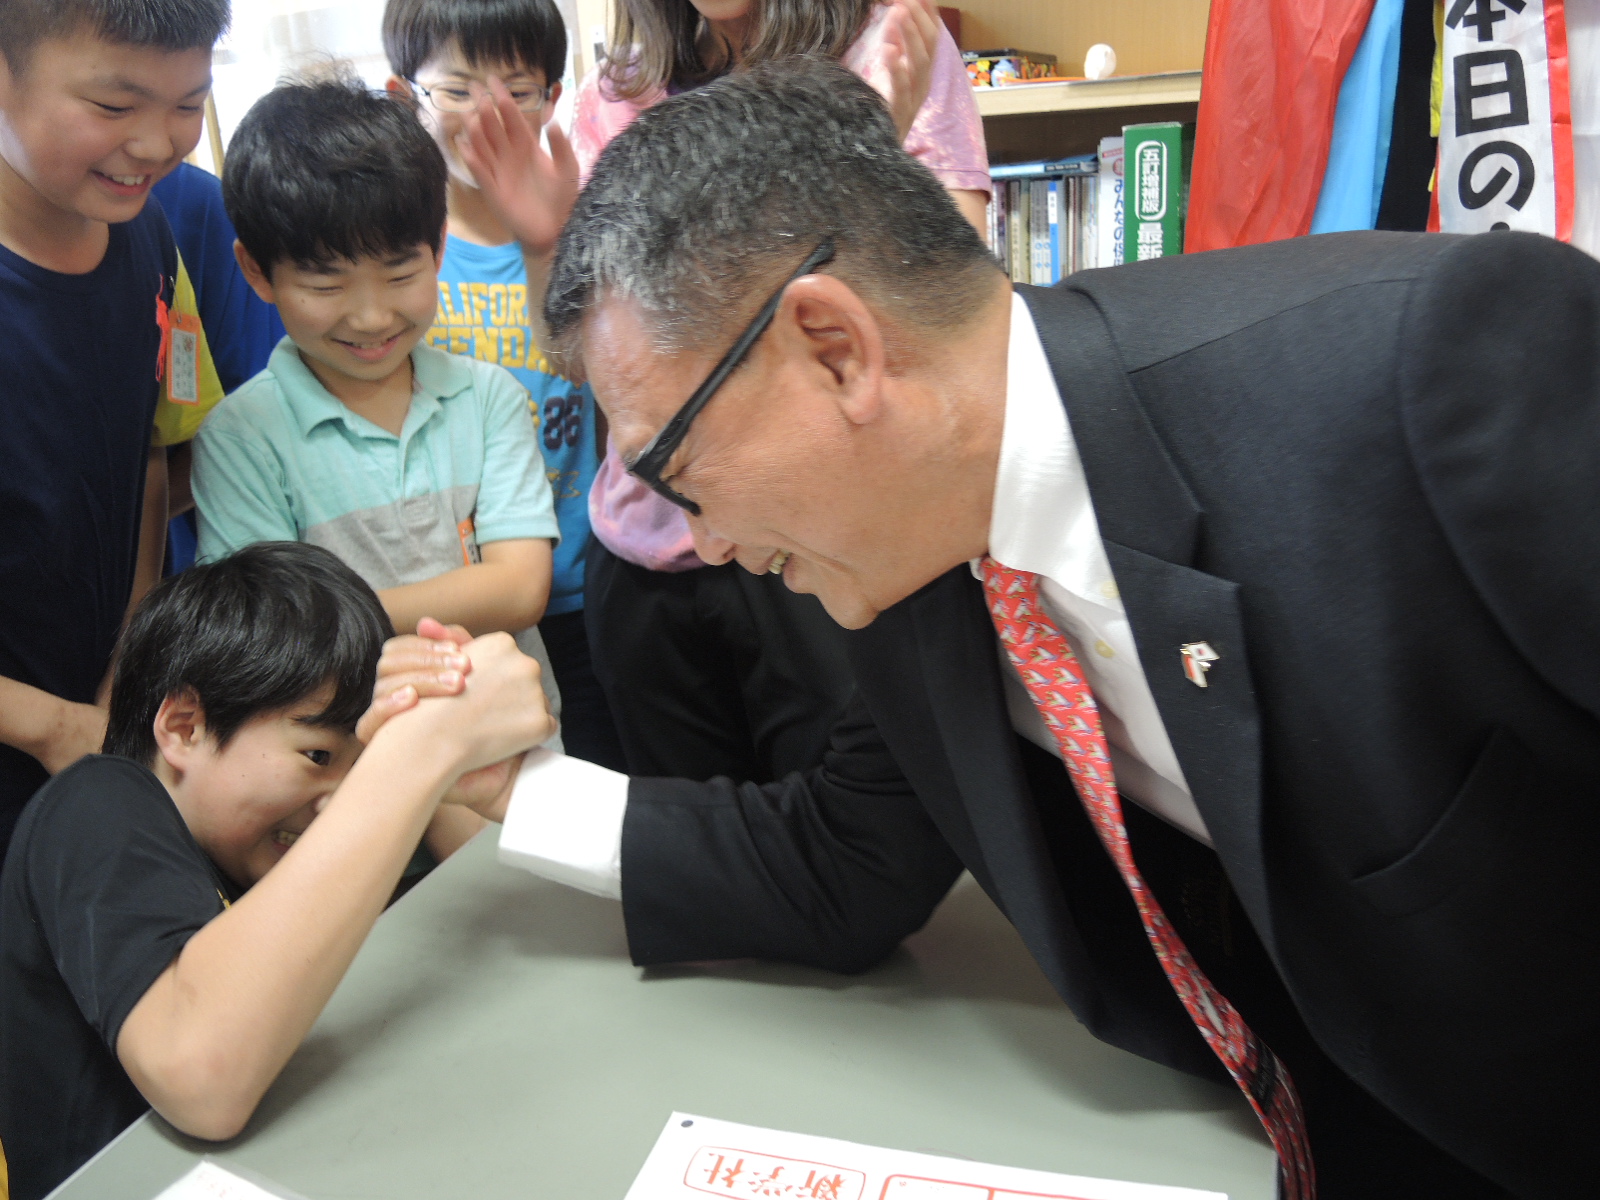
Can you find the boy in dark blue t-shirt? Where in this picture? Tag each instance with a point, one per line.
(98, 100)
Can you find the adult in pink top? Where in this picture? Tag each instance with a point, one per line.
(946, 135)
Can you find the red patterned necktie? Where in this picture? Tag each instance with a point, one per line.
(1049, 670)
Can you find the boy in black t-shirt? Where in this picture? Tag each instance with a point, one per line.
(98, 100)
(175, 913)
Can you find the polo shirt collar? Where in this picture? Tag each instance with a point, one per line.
(436, 376)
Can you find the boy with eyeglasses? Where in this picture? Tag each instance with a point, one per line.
(444, 54)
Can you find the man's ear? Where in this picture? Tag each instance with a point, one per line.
(396, 86)
(180, 729)
(253, 274)
(823, 320)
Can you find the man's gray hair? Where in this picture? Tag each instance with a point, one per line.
(702, 206)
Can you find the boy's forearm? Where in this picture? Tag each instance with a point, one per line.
(152, 528)
(487, 597)
(152, 556)
(452, 827)
(180, 475)
(57, 732)
(212, 1033)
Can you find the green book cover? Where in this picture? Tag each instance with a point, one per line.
(1153, 158)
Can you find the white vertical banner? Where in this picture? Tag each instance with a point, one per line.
(1583, 49)
(1505, 132)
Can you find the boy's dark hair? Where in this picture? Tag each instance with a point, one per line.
(529, 32)
(160, 24)
(251, 634)
(325, 170)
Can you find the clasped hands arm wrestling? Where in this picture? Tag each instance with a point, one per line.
(435, 662)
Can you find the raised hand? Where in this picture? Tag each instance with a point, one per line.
(910, 36)
(531, 190)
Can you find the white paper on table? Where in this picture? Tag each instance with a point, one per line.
(700, 1156)
(209, 1181)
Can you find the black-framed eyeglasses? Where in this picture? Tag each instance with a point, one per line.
(652, 460)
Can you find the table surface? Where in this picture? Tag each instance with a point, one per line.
(493, 1040)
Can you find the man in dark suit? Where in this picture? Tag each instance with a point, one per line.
(1316, 522)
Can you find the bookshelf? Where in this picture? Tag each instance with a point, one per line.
(1167, 87)
(1148, 35)
(1159, 43)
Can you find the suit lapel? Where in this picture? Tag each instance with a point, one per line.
(961, 674)
(1151, 524)
(960, 663)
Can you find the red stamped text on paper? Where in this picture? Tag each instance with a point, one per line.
(726, 1172)
(912, 1187)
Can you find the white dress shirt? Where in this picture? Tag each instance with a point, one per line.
(1043, 521)
(564, 821)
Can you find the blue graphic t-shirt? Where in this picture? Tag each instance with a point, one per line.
(483, 312)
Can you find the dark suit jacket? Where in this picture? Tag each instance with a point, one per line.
(1365, 468)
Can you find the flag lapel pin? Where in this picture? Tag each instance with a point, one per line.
(1197, 660)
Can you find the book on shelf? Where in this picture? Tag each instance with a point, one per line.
(1050, 218)
(1041, 203)
(1042, 223)
(1109, 204)
(1153, 164)
(1017, 223)
(1078, 164)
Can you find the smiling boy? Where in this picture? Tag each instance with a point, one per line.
(98, 100)
(419, 469)
(175, 913)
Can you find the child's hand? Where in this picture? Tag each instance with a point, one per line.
(499, 713)
(430, 664)
(909, 38)
(530, 190)
(484, 790)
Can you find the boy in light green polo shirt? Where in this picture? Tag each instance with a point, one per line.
(420, 469)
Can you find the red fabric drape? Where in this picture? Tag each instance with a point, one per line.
(1267, 99)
